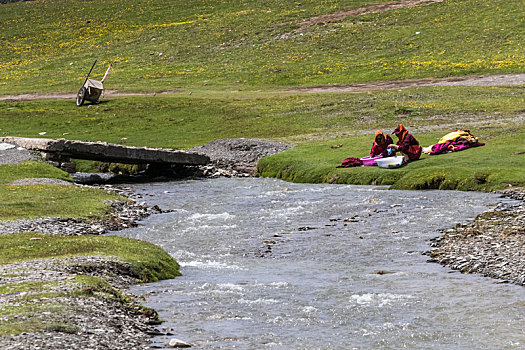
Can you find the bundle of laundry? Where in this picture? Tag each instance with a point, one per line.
(364, 161)
(351, 162)
(455, 141)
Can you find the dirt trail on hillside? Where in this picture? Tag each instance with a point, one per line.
(72, 96)
(375, 8)
(477, 80)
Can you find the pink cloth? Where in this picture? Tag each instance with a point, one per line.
(453, 146)
(370, 161)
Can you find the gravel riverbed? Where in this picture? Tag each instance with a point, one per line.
(492, 245)
(87, 321)
(92, 321)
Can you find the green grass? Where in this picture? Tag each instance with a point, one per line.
(35, 307)
(234, 57)
(150, 262)
(496, 165)
(31, 201)
(21, 318)
(182, 120)
(158, 45)
(25, 287)
(30, 169)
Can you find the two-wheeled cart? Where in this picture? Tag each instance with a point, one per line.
(92, 89)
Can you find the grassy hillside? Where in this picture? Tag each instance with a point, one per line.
(226, 65)
(161, 45)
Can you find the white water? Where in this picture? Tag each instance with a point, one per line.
(273, 265)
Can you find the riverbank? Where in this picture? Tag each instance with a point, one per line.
(63, 292)
(492, 245)
(72, 303)
(63, 285)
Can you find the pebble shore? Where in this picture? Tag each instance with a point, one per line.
(493, 245)
(87, 321)
(100, 321)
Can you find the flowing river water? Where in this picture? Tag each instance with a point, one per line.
(268, 264)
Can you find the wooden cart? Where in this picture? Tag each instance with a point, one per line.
(92, 89)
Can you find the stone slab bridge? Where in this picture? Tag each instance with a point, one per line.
(60, 151)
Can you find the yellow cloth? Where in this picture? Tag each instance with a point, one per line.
(453, 136)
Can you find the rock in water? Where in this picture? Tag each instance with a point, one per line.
(177, 343)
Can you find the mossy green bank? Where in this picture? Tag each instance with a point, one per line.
(64, 201)
(38, 306)
(495, 166)
(149, 261)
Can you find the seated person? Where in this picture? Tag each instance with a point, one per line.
(407, 144)
(381, 142)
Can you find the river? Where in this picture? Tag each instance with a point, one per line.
(269, 264)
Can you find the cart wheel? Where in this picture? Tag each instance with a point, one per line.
(81, 96)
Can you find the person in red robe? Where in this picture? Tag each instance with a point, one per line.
(407, 144)
(380, 146)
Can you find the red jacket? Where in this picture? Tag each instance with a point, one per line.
(381, 149)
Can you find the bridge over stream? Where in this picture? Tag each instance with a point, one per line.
(60, 151)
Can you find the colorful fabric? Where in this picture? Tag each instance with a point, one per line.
(454, 146)
(455, 135)
(370, 161)
(381, 149)
(351, 162)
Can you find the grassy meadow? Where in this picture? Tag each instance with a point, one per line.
(231, 67)
(157, 45)
(31, 201)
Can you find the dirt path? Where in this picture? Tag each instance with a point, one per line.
(474, 80)
(375, 8)
(72, 96)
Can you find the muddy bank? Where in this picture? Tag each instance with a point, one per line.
(492, 245)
